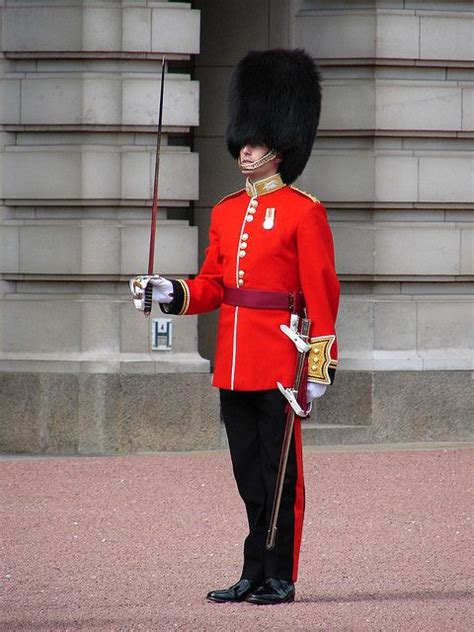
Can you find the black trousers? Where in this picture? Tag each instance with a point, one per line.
(255, 424)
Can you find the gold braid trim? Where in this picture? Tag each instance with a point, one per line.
(185, 287)
(308, 195)
(319, 359)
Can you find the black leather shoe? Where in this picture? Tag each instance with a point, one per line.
(273, 591)
(238, 592)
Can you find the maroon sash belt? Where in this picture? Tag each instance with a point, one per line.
(264, 299)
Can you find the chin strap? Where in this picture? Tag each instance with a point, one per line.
(268, 157)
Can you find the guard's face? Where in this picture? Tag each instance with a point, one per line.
(251, 154)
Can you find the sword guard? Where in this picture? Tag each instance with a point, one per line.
(290, 395)
(301, 345)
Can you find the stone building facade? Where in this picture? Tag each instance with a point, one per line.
(393, 163)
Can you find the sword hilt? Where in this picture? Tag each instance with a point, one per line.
(148, 299)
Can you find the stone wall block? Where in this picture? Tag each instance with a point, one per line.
(101, 172)
(150, 422)
(348, 105)
(46, 326)
(336, 36)
(101, 101)
(19, 427)
(354, 246)
(447, 178)
(54, 100)
(135, 331)
(37, 174)
(166, 23)
(347, 401)
(95, 247)
(169, 259)
(397, 36)
(418, 249)
(59, 413)
(468, 109)
(179, 176)
(95, 174)
(9, 248)
(445, 325)
(395, 324)
(141, 97)
(100, 248)
(339, 176)
(402, 106)
(421, 406)
(467, 250)
(101, 28)
(136, 31)
(9, 100)
(108, 100)
(136, 175)
(42, 28)
(100, 326)
(49, 249)
(448, 37)
(355, 324)
(396, 177)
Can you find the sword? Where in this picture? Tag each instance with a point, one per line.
(300, 338)
(154, 208)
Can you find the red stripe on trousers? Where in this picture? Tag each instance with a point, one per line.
(298, 508)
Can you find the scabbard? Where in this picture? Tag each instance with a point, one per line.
(285, 448)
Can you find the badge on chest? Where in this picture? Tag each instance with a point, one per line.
(269, 221)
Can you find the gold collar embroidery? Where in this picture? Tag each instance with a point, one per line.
(264, 186)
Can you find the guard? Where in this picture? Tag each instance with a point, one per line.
(270, 260)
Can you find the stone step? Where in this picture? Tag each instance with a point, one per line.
(332, 434)
(327, 434)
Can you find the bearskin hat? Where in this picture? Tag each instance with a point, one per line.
(275, 100)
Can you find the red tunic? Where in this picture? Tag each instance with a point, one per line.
(269, 236)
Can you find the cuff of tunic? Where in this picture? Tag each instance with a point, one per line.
(180, 303)
(321, 367)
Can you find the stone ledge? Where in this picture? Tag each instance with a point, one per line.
(152, 363)
(112, 414)
(98, 414)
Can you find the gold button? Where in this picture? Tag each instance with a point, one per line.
(314, 367)
(245, 236)
(249, 218)
(241, 282)
(241, 273)
(252, 211)
(242, 253)
(243, 245)
(253, 203)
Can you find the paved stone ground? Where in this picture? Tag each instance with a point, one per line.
(135, 543)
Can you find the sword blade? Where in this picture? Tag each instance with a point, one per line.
(154, 208)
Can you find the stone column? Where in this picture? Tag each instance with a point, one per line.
(394, 164)
(80, 88)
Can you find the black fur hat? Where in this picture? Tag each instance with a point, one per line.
(275, 100)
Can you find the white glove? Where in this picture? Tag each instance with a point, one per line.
(162, 290)
(314, 390)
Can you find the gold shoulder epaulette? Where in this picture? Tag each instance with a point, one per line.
(226, 197)
(308, 195)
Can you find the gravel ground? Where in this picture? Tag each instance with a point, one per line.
(136, 542)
